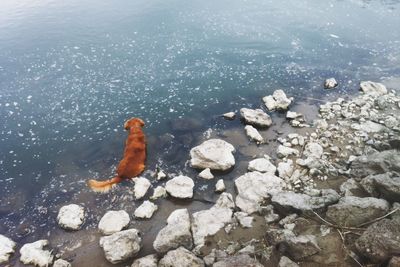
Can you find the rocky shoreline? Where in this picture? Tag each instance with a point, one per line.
(328, 196)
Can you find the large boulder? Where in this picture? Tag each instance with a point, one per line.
(382, 186)
(176, 233)
(380, 241)
(353, 211)
(147, 261)
(180, 187)
(33, 253)
(254, 188)
(242, 260)
(180, 257)
(121, 246)
(215, 154)
(256, 117)
(7, 247)
(114, 221)
(71, 217)
(375, 163)
(369, 87)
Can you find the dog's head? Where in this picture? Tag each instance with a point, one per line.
(133, 122)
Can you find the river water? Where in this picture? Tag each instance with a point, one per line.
(71, 72)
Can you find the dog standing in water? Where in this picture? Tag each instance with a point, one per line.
(133, 162)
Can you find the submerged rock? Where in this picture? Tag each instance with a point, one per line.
(176, 233)
(121, 246)
(33, 253)
(253, 134)
(286, 262)
(113, 221)
(147, 261)
(146, 210)
(7, 247)
(242, 260)
(262, 165)
(278, 101)
(256, 117)
(180, 187)
(141, 187)
(206, 174)
(229, 115)
(300, 247)
(369, 87)
(330, 83)
(61, 263)
(215, 154)
(180, 257)
(71, 217)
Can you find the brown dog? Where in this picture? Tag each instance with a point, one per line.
(133, 162)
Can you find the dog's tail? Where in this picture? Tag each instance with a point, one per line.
(104, 186)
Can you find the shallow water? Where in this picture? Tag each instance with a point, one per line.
(72, 72)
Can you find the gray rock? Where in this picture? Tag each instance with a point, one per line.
(262, 165)
(146, 210)
(180, 257)
(180, 187)
(286, 262)
(7, 247)
(147, 261)
(141, 187)
(254, 188)
(353, 211)
(372, 127)
(394, 262)
(256, 117)
(269, 215)
(313, 150)
(253, 134)
(61, 263)
(350, 188)
(284, 151)
(300, 247)
(380, 241)
(121, 246)
(382, 186)
(33, 253)
(206, 174)
(369, 87)
(113, 221)
(330, 83)
(71, 217)
(242, 260)
(215, 154)
(376, 163)
(176, 233)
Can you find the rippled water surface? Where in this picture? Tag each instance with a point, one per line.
(71, 72)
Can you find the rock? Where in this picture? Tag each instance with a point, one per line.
(371, 127)
(350, 188)
(300, 247)
(278, 101)
(71, 217)
(284, 151)
(291, 201)
(253, 134)
(147, 261)
(255, 187)
(220, 186)
(244, 220)
(161, 175)
(256, 117)
(380, 241)
(229, 115)
(61, 263)
(285, 169)
(382, 186)
(33, 253)
(376, 163)
(369, 87)
(313, 150)
(7, 247)
(262, 165)
(293, 115)
(121, 246)
(180, 187)
(113, 221)
(180, 257)
(176, 233)
(269, 215)
(330, 83)
(242, 260)
(286, 262)
(159, 192)
(353, 211)
(215, 154)
(394, 262)
(225, 200)
(141, 187)
(206, 174)
(146, 210)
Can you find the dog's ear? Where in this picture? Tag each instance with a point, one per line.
(127, 126)
(140, 121)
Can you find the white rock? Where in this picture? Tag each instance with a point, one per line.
(147, 261)
(33, 253)
(121, 246)
(369, 87)
(244, 219)
(256, 117)
(206, 174)
(146, 210)
(113, 221)
(180, 257)
(229, 115)
(284, 151)
(176, 233)
(220, 186)
(161, 175)
(255, 187)
(278, 101)
(293, 115)
(225, 200)
(141, 187)
(269, 102)
(71, 217)
(215, 154)
(371, 127)
(7, 247)
(180, 187)
(285, 169)
(61, 263)
(313, 150)
(262, 165)
(253, 134)
(330, 83)
(159, 191)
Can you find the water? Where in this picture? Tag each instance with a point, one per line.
(71, 72)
